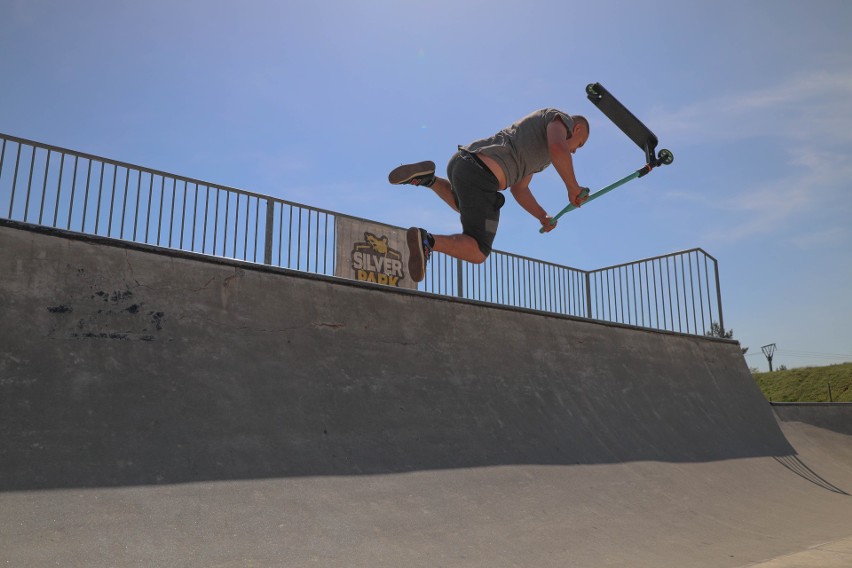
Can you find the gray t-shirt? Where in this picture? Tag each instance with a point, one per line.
(521, 149)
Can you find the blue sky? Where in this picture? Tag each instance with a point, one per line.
(315, 101)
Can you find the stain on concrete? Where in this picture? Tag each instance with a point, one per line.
(104, 314)
(157, 320)
(60, 309)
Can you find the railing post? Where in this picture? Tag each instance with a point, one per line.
(719, 295)
(459, 278)
(588, 294)
(267, 252)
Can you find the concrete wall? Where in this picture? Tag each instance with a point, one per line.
(836, 416)
(124, 365)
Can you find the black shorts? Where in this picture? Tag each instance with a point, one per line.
(478, 196)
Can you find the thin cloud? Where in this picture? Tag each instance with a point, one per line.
(821, 238)
(811, 115)
(761, 211)
(816, 108)
(773, 206)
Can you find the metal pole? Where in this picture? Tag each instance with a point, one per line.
(719, 295)
(588, 294)
(769, 351)
(459, 278)
(267, 250)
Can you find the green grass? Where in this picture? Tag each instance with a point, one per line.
(808, 384)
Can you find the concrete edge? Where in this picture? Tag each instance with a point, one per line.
(265, 268)
(836, 404)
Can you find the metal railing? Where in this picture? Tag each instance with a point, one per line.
(65, 189)
(677, 292)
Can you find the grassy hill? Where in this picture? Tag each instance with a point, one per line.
(808, 384)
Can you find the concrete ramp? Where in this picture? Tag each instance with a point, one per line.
(167, 409)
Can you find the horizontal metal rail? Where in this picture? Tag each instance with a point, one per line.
(57, 187)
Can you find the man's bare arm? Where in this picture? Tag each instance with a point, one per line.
(522, 194)
(560, 157)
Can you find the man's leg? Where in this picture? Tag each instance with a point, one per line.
(476, 190)
(480, 213)
(460, 246)
(423, 173)
(421, 244)
(444, 190)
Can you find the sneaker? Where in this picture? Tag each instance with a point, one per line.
(421, 173)
(419, 252)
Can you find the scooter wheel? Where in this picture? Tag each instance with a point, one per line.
(590, 90)
(665, 157)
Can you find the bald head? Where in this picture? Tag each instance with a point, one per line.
(582, 121)
(579, 134)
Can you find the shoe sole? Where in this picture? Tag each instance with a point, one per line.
(407, 172)
(416, 259)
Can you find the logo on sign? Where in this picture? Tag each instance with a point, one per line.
(374, 261)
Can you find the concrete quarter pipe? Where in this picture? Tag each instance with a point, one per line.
(166, 409)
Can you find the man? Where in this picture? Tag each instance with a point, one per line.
(478, 173)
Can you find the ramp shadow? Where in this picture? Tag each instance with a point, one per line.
(797, 466)
(150, 431)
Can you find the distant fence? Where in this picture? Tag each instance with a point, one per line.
(70, 190)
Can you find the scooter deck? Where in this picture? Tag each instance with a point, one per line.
(634, 128)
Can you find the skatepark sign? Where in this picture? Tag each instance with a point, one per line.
(371, 252)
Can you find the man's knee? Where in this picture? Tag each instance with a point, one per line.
(480, 255)
(479, 258)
